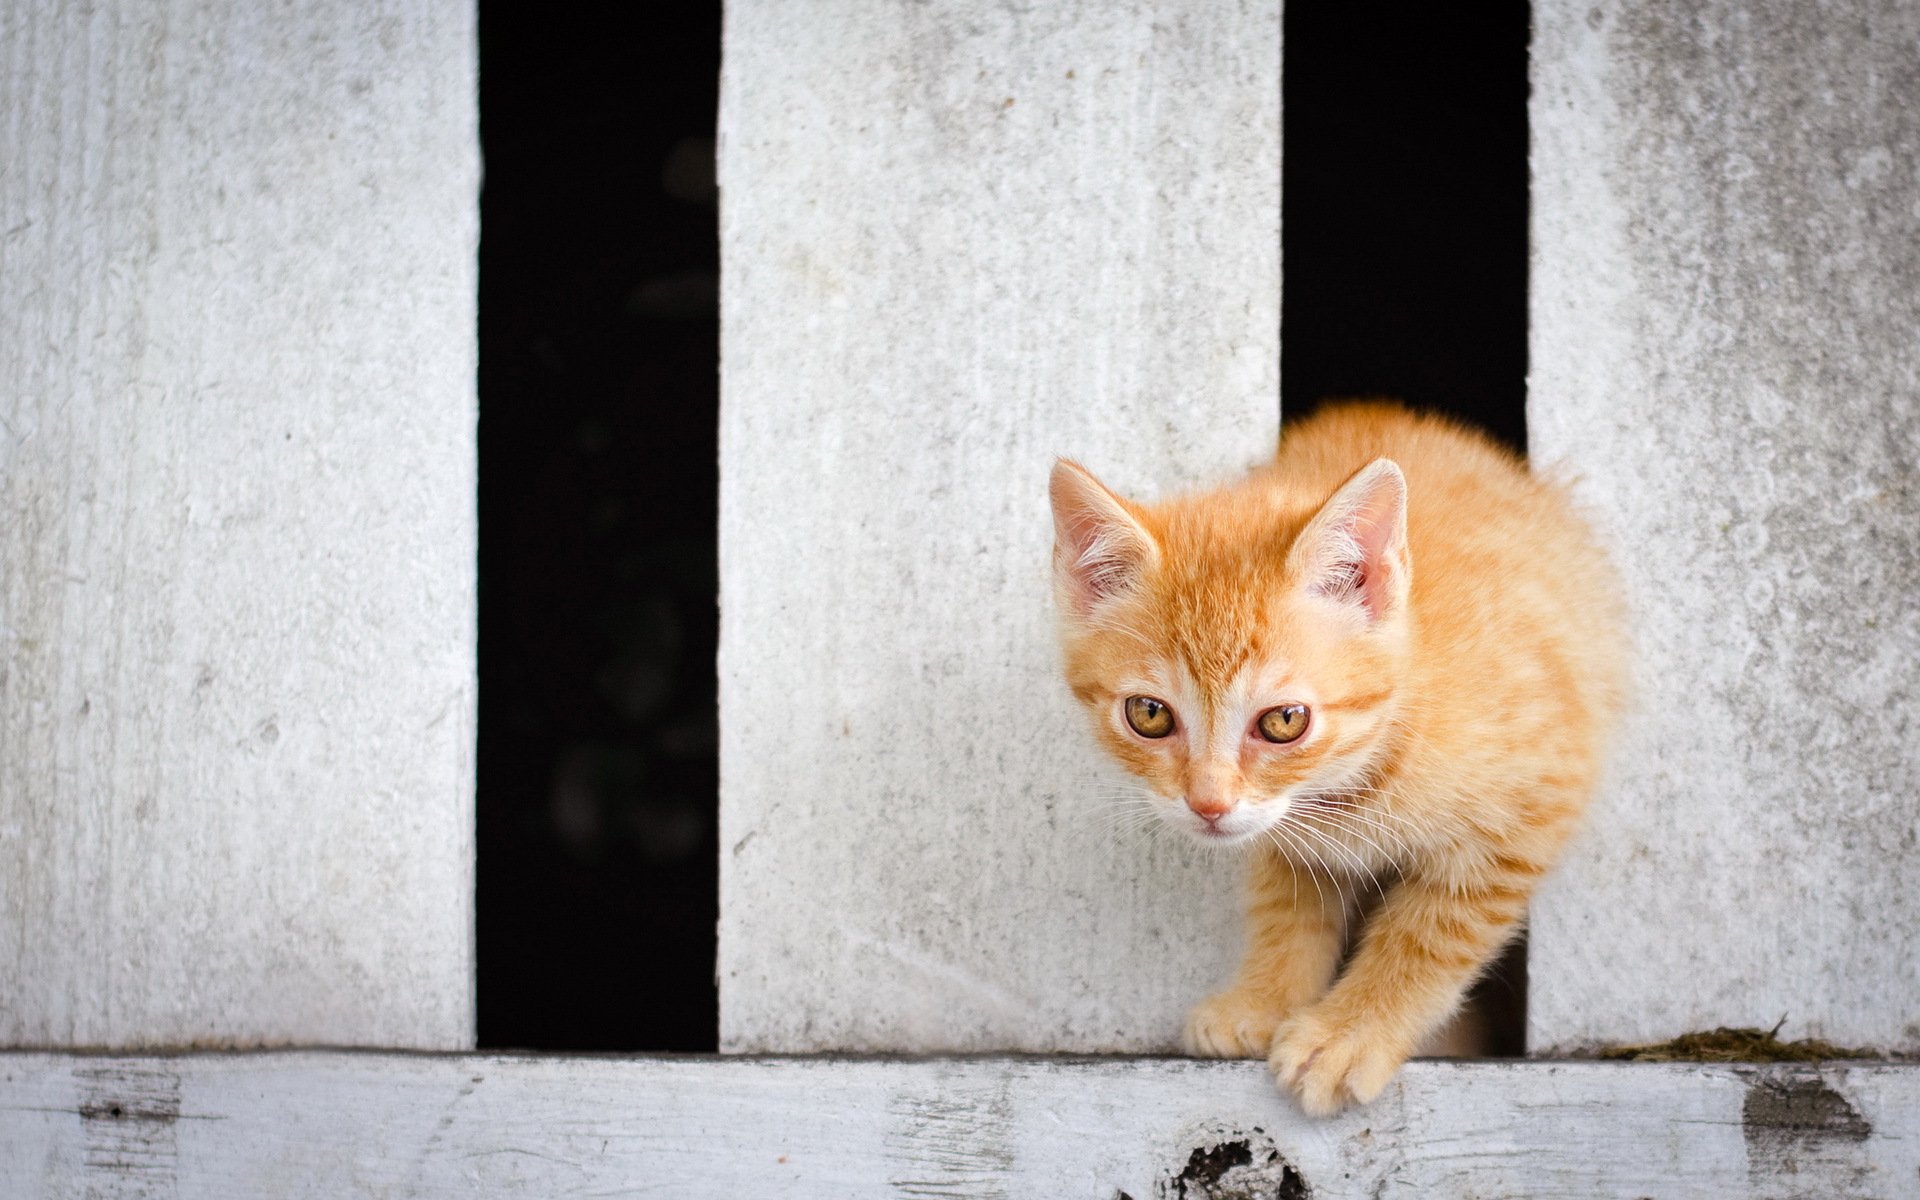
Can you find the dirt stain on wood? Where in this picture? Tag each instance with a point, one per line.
(1799, 1127)
(129, 1114)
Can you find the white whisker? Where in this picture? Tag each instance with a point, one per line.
(1294, 849)
(1352, 821)
(1339, 823)
(1355, 858)
(1381, 811)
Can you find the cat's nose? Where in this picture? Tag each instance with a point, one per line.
(1212, 808)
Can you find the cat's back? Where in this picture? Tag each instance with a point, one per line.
(1318, 452)
(1511, 588)
(1472, 503)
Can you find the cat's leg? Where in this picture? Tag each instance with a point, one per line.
(1418, 954)
(1295, 931)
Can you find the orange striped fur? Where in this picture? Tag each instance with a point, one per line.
(1456, 636)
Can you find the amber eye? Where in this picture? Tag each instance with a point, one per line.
(1283, 724)
(1149, 717)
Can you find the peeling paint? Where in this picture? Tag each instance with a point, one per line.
(1235, 1167)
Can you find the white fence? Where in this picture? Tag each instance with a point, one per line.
(957, 243)
(236, 459)
(237, 561)
(1726, 348)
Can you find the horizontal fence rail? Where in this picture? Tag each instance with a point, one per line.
(402, 1126)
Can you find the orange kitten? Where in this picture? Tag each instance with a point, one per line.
(1389, 660)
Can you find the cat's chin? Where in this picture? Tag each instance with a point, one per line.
(1221, 839)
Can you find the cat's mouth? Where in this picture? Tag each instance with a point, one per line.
(1221, 833)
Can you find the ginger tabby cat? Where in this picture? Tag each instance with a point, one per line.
(1387, 664)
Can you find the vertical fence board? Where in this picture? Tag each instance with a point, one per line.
(1726, 294)
(959, 239)
(236, 523)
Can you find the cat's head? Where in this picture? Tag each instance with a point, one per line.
(1237, 650)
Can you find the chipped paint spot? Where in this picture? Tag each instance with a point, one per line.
(1798, 1125)
(1235, 1166)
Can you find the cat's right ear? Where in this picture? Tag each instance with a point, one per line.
(1355, 548)
(1100, 548)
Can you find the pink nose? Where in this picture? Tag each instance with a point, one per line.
(1210, 807)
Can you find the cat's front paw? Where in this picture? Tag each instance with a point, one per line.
(1232, 1024)
(1328, 1062)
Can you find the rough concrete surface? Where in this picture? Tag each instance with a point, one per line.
(960, 239)
(1726, 350)
(236, 523)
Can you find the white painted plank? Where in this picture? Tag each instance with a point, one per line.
(961, 238)
(1726, 293)
(236, 522)
(315, 1124)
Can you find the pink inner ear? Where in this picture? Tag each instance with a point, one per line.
(1345, 581)
(1100, 549)
(1373, 581)
(1100, 559)
(1360, 561)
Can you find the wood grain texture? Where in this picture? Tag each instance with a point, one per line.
(1726, 289)
(960, 239)
(236, 523)
(314, 1124)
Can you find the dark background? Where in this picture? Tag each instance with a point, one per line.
(599, 337)
(1404, 208)
(1405, 196)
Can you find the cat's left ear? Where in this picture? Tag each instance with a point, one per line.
(1355, 548)
(1100, 548)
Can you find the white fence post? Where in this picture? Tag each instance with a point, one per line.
(961, 238)
(236, 523)
(1726, 349)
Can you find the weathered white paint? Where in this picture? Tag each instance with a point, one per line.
(236, 522)
(313, 1124)
(1726, 297)
(960, 239)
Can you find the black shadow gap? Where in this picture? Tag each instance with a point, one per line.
(599, 339)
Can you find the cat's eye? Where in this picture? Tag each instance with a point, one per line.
(1149, 717)
(1283, 723)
